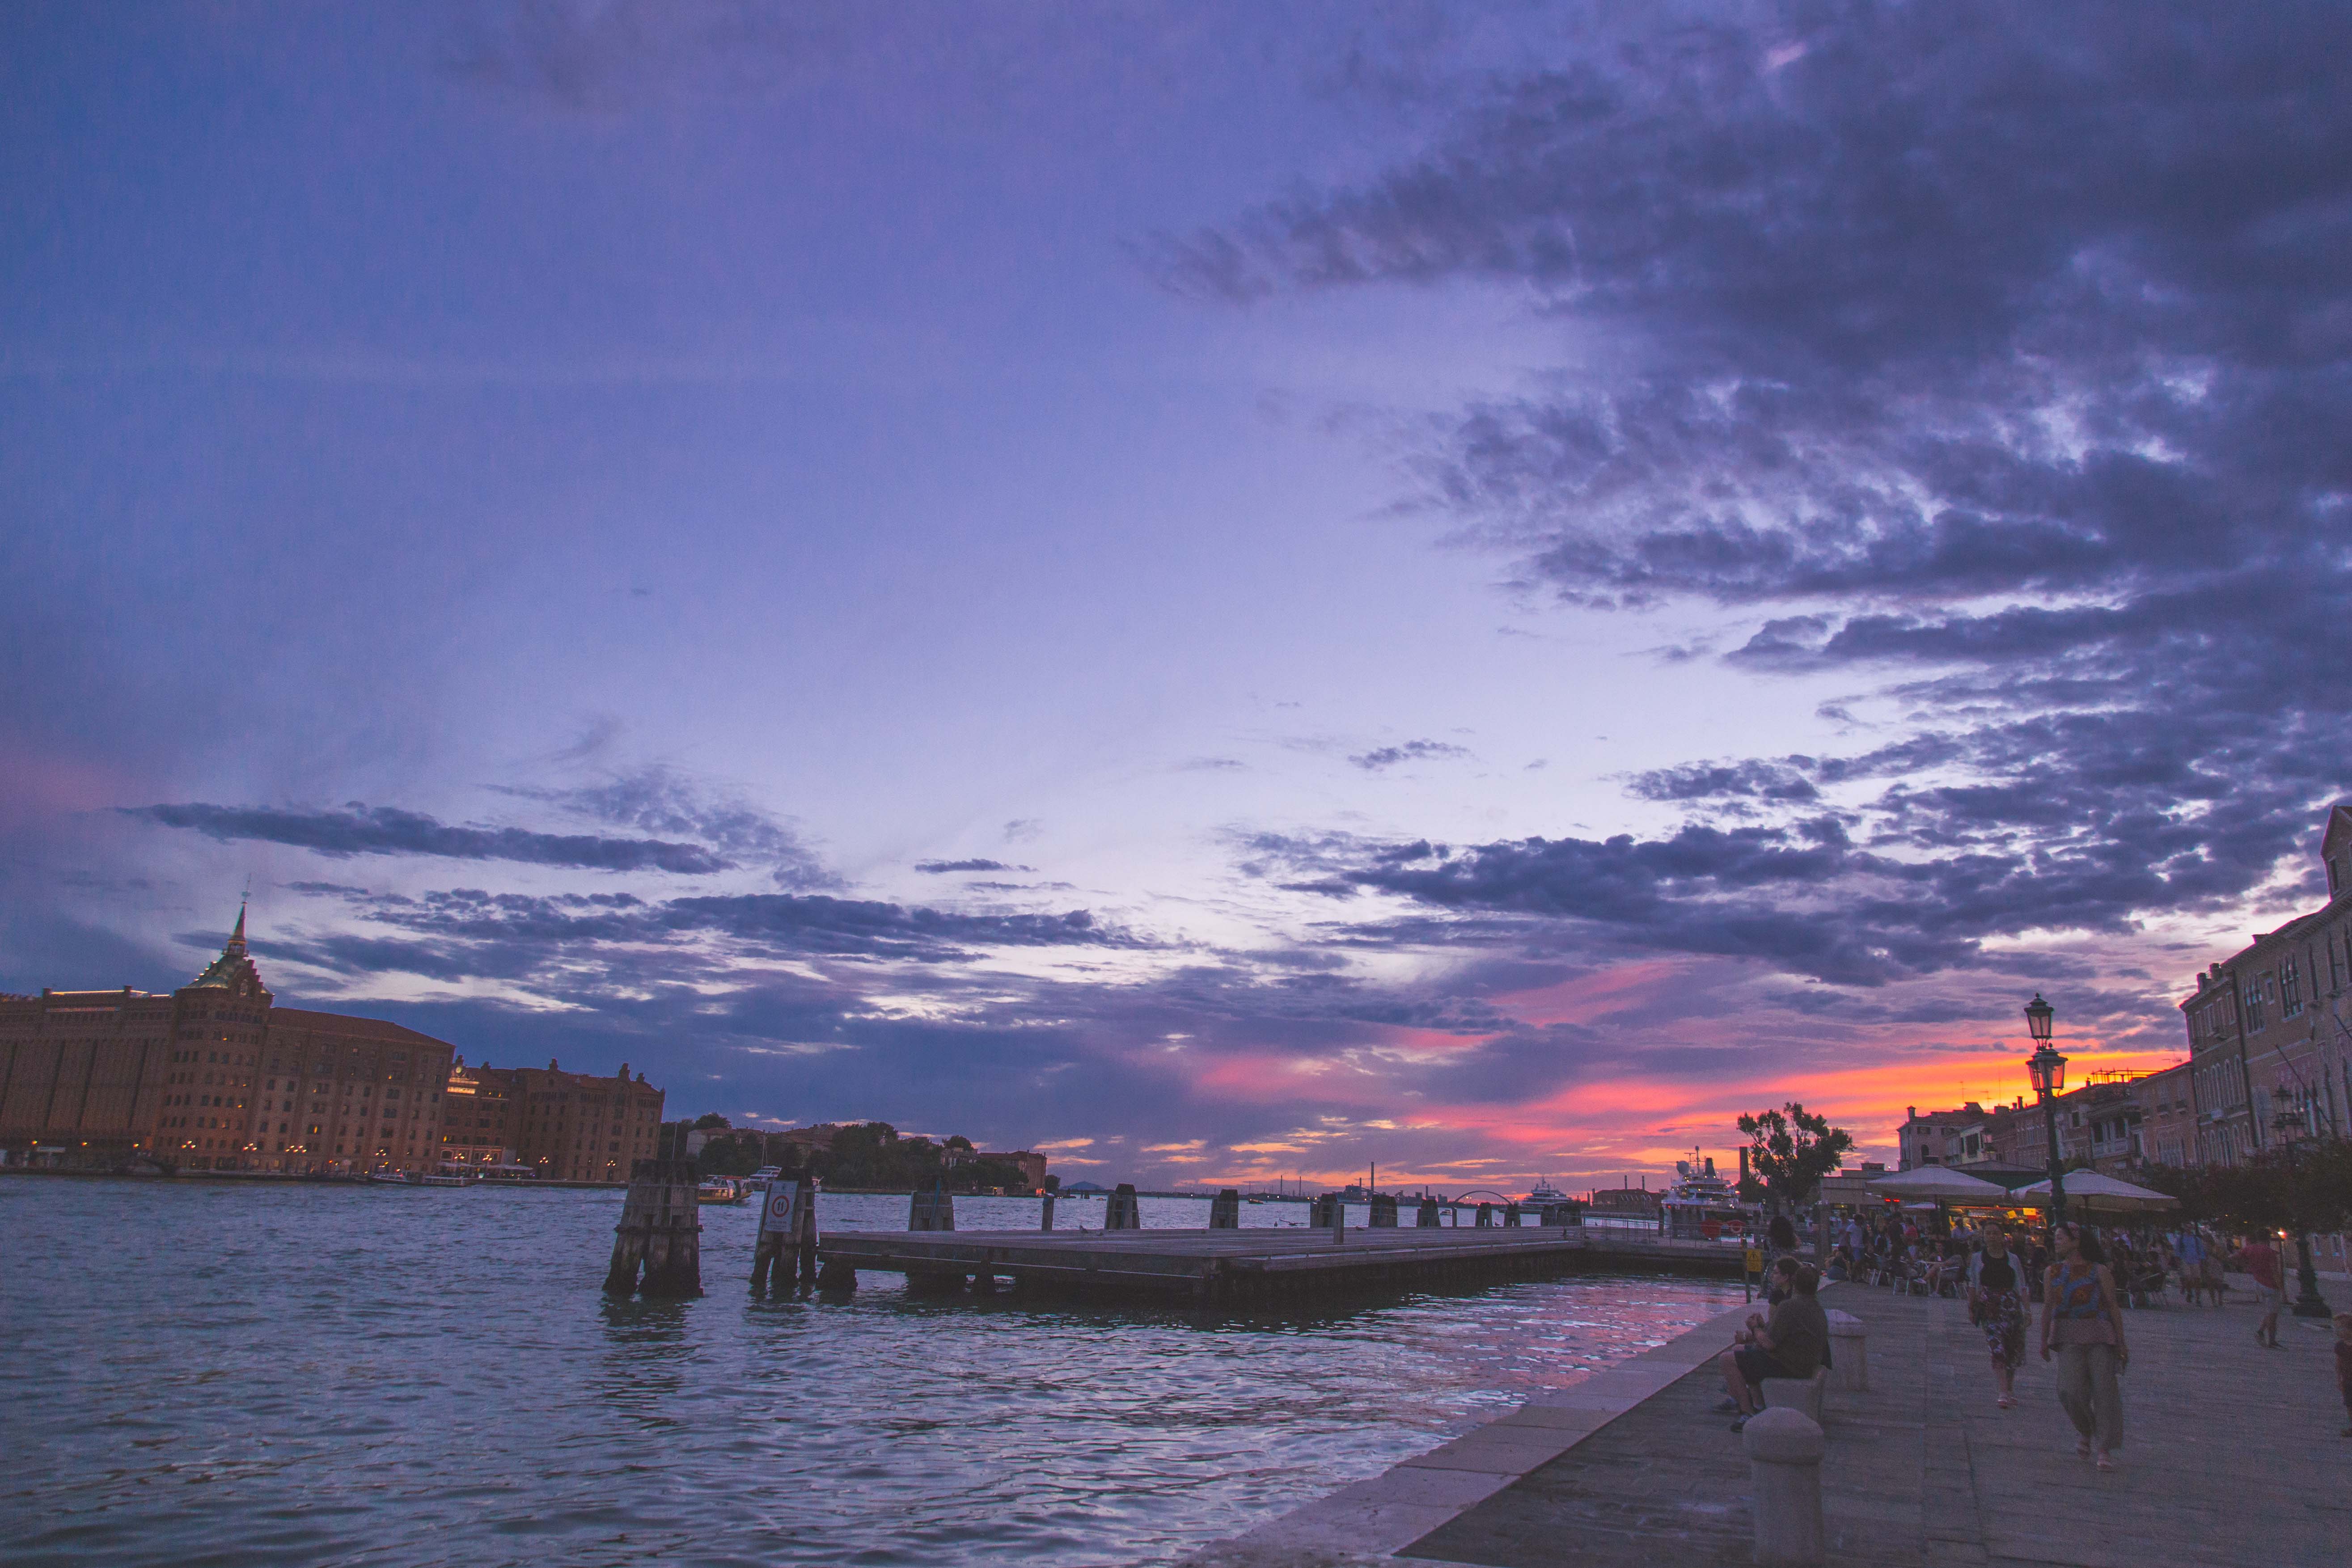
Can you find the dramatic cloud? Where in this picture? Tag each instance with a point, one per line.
(1411, 752)
(661, 800)
(940, 867)
(511, 935)
(2002, 351)
(387, 830)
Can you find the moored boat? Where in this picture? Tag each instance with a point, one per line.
(1701, 1205)
(723, 1190)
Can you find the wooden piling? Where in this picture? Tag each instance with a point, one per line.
(660, 1231)
(1486, 1217)
(934, 1210)
(1384, 1210)
(804, 1226)
(1510, 1216)
(1427, 1218)
(1123, 1212)
(1046, 1214)
(773, 1252)
(1225, 1210)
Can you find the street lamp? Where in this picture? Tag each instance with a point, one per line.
(2291, 1130)
(2048, 1070)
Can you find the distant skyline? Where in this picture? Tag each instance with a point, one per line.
(1218, 590)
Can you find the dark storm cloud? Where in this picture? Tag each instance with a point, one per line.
(514, 935)
(940, 867)
(1804, 897)
(1710, 781)
(2000, 352)
(662, 800)
(1410, 752)
(358, 830)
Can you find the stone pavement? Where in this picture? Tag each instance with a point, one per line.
(2230, 1456)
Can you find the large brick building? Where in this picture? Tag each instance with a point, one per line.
(215, 1076)
(563, 1126)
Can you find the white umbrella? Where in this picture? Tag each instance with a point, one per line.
(2093, 1191)
(1939, 1182)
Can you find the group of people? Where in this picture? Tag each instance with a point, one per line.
(2067, 1297)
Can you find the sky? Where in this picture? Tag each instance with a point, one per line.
(1224, 591)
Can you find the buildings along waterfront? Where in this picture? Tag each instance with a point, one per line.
(2269, 1034)
(217, 1077)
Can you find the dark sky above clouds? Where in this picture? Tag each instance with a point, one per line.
(1227, 590)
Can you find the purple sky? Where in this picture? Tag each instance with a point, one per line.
(1223, 589)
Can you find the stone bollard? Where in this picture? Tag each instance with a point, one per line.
(934, 1210)
(1225, 1210)
(660, 1230)
(1486, 1217)
(1426, 1219)
(1384, 1210)
(1123, 1212)
(1849, 1353)
(1784, 1469)
(1046, 1214)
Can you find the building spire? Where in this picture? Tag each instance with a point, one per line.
(236, 938)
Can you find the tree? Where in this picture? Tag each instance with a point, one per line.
(1790, 1150)
(2298, 1189)
(710, 1119)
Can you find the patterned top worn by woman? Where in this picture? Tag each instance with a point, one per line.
(2081, 1317)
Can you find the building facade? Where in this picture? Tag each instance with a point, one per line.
(215, 1076)
(2269, 1029)
(562, 1126)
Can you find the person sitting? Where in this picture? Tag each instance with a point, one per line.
(1792, 1343)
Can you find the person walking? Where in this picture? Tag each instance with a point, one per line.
(2080, 1319)
(2260, 1261)
(1996, 1306)
(2344, 1367)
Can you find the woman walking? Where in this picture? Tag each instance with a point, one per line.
(2079, 1316)
(1996, 1304)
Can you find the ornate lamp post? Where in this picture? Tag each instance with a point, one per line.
(2048, 1070)
(2293, 1127)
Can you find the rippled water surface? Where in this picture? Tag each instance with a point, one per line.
(202, 1373)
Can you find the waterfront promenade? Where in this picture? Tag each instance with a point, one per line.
(2231, 1458)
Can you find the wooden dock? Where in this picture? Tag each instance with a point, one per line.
(1253, 1264)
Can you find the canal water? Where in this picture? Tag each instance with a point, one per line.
(202, 1372)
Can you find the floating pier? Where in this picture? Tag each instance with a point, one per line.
(1242, 1264)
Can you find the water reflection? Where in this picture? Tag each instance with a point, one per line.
(316, 1373)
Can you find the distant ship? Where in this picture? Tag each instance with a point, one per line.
(1545, 1193)
(1702, 1205)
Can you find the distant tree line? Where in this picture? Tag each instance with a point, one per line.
(866, 1154)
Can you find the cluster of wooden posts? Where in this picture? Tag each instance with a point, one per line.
(660, 1233)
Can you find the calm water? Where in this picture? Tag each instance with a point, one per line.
(206, 1373)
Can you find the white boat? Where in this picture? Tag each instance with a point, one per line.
(1701, 1205)
(392, 1178)
(445, 1178)
(1545, 1193)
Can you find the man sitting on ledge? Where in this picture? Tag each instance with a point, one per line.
(1789, 1344)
